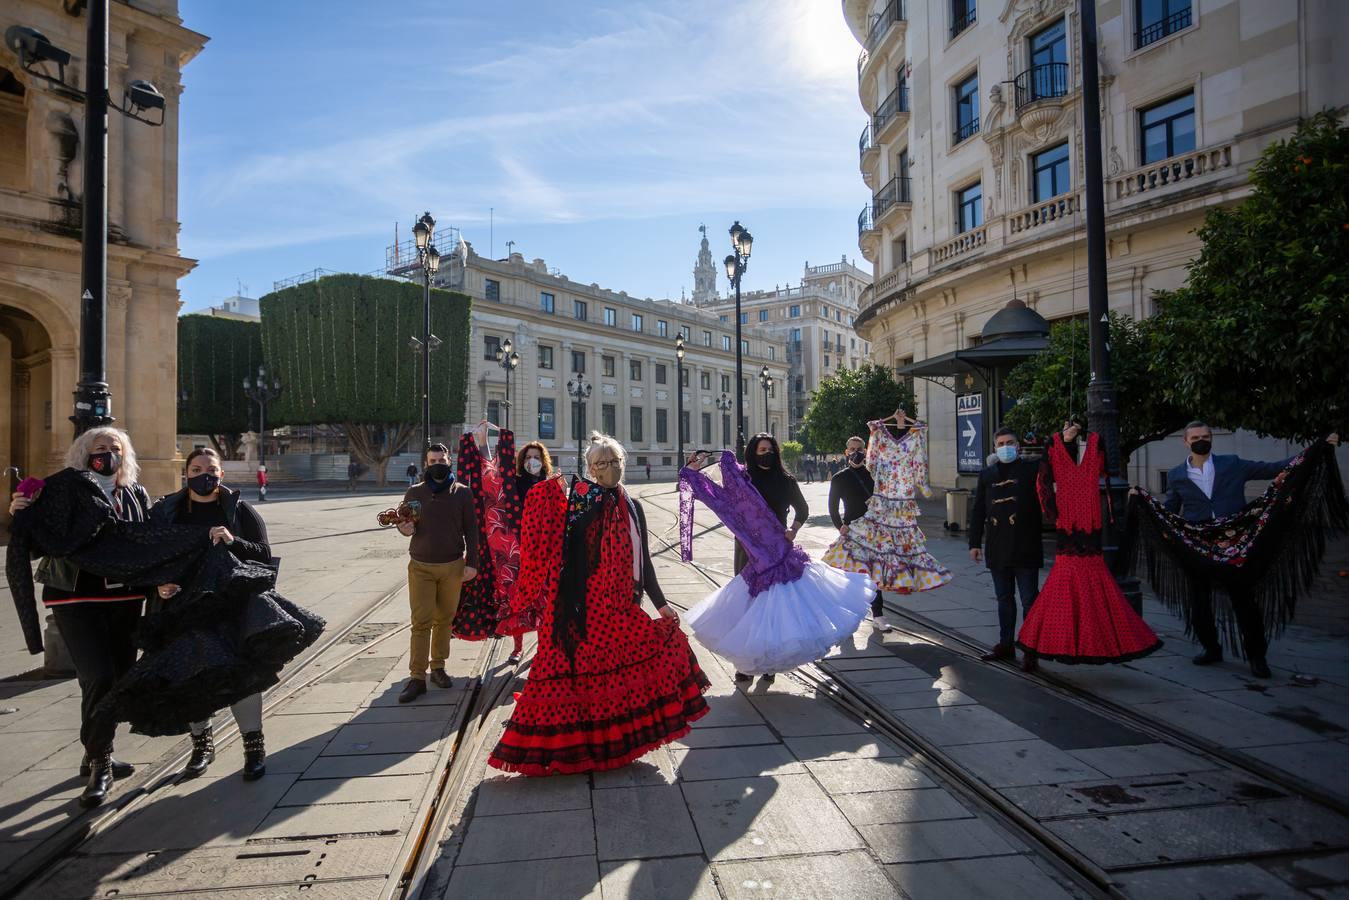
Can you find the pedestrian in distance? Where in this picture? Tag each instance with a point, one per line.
(353, 473)
(412, 474)
(852, 489)
(262, 484)
(648, 471)
(207, 501)
(444, 554)
(1005, 527)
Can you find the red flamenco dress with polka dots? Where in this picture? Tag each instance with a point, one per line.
(608, 683)
(1080, 615)
(485, 601)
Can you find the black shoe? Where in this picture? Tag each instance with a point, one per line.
(440, 679)
(412, 690)
(255, 755)
(120, 769)
(100, 781)
(769, 678)
(513, 659)
(203, 754)
(999, 652)
(1208, 657)
(1260, 669)
(1029, 662)
(742, 678)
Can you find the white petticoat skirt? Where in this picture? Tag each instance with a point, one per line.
(786, 625)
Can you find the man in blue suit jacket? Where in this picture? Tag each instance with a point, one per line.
(1208, 487)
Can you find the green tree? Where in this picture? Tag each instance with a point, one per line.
(214, 357)
(846, 401)
(791, 455)
(340, 347)
(1052, 384)
(1254, 338)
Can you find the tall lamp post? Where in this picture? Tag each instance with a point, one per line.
(724, 404)
(509, 360)
(429, 260)
(579, 389)
(679, 402)
(736, 264)
(766, 381)
(262, 393)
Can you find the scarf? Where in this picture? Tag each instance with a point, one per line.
(595, 515)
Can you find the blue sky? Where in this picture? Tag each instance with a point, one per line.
(601, 134)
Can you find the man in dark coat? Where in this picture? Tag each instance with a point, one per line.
(852, 488)
(1005, 533)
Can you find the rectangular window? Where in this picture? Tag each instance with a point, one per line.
(578, 360)
(800, 383)
(547, 419)
(684, 378)
(744, 387)
(660, 373)
(899, 252)
(826, 336)
(546, 301)
(1049, 45)
(494, 410)
(967, 108)
(491, 289)
(707, 339)
(726, 384)
(794, 312)
(726, 342)
(686, 332)
(578, 308)
(744, 347)
(635, 425)
(1049, 173)
(636, 322)
(744, 318)
(962, 15)
(707, 429)
(662, 426)
(723, 319)
(634, 370)
(1167, 129)
(1158, 18)
(796, 335)
(826, 361)
(763, 315)
(490, 345)
(662, 328)
(607, 362)
(772, 352)
(609, 418)
(705, 380)
(969, 208)
(545, 357)
(610, 316)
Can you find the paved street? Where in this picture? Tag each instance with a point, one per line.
(923, 773)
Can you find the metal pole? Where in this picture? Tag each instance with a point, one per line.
(508, 396)
(765, 407)
(262, 427)
(679, 412)
(93, 402)
(426, 359)
(1102, 399)
(739, 374)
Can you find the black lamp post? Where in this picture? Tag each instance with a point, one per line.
(509, 360)
(679, 402)
(579, 389)
(724, 404)
(766, 381)
(736, 264)
(261, 393)
(429, 259)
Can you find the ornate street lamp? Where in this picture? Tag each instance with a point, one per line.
(429, 260)
(766, 381)
(742, 242)
(724, 404)
(579, 389)
(509, 360)
(679, 403)
(262, 393)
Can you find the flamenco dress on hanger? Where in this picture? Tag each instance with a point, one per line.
(485, 601)
(1080, 615)
(608, 682)
(783, 609)
(886, 543)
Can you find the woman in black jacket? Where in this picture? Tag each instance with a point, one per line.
(207, 501)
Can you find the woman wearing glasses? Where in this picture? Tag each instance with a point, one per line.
(609, 683)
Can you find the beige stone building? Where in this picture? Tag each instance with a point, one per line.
(41, 185)
(973, 152)
(625, 348)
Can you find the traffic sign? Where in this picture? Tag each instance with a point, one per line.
(969, 433)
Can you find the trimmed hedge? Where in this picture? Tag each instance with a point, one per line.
(214, 357)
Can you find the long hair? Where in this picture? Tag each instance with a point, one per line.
(546, 472)
(751, 456)
(77, 457)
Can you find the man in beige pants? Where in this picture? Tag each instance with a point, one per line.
(444, 551)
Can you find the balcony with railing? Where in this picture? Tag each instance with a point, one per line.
(868, 236)
(892, 200)
(1034, 221)
(892, 14)
(1186, 169)
(962, 245)
(963, 21)
(1155, 31)
(868, 154)
(1041, 95)
(892, 111)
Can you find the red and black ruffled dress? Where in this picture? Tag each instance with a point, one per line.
(486, 600)
(608, 682)
(1080, 615)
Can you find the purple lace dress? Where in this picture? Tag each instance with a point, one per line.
(783, 609)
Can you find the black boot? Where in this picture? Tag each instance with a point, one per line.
(1210, 656)
(203, 754)
(100, 781)
(255, 756)
(120, 769)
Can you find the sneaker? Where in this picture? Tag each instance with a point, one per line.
(440, 679)
(412, 690)
(880, 623)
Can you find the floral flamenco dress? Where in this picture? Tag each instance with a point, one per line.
(886, 542)
(783, 609)
(608, 683)
(1080, 615)
(485, 601)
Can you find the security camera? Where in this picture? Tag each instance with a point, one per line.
(32, 46)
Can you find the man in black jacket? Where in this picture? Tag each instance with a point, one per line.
(852, 487)
(1007, 503)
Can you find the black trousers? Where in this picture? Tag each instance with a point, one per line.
(878, 604)
(101, 638)
(1249, 621)
(1006, 583)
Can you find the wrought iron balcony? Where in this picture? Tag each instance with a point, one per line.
(1042, 82)
(864, 142)
(1158, 30)
(881, 22)
(967, 130)
(896, 190)
(895, 103)
(865, 222)
(963, 21)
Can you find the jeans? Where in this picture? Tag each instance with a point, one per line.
(433, 593)
(1006, 582)
(101, 638)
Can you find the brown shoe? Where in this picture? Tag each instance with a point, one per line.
(412, 690)
(440, 679)
(999, 652)
(1029, 663)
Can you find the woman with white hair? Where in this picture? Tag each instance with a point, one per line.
(97, 616)
(608, 683)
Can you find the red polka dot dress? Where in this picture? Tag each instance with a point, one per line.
(608, 683)
(485, 601)
(1080, 615)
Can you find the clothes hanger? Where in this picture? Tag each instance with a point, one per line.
(902, 420)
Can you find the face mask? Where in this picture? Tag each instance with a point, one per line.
(1007, 453)
(766, 460)
(857, 457)
(438, 471)
(609, 477)
(1201, 447)
(105, 463)
(203, 483)
(533, 466)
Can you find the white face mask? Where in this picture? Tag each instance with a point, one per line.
(533, 466)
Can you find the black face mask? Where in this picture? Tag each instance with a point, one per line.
(105, 463)
(857, 457)
(203, 483)
(766, 460)
(1201, 448)
(438, 471)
